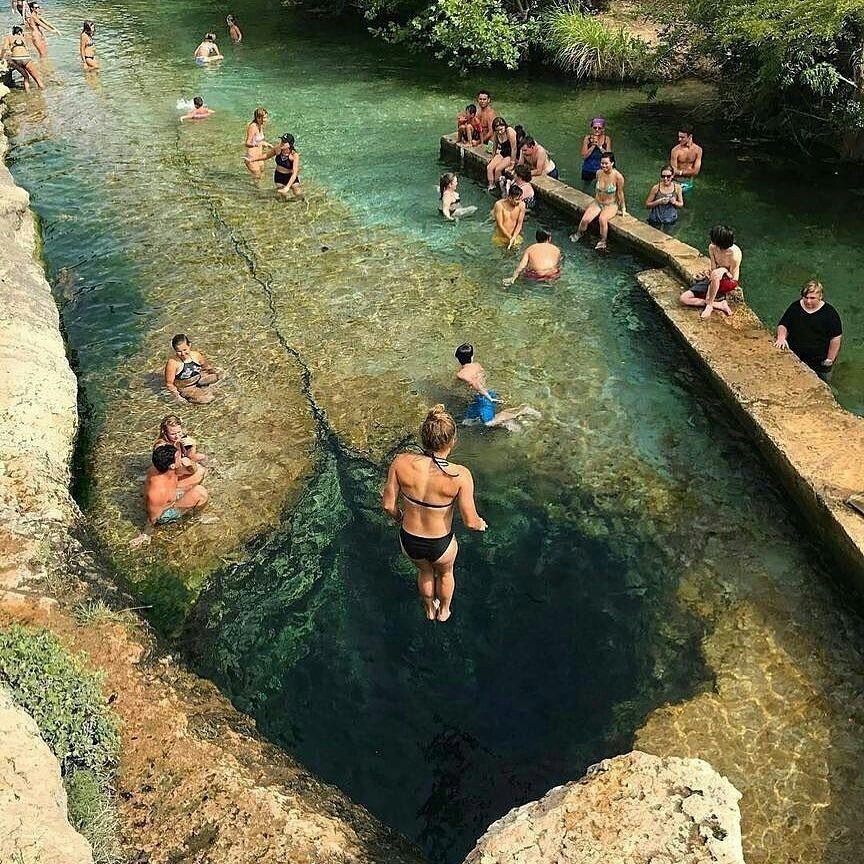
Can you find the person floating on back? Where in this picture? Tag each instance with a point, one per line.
(430, 487)
(189, 374)
(166, 498)
(482, 407)
(541, 261)
(199, 112)
(721, 278)
(686, 159)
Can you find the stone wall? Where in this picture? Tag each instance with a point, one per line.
(812, 444)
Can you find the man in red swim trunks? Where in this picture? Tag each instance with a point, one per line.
(722, 276)
(541, 261)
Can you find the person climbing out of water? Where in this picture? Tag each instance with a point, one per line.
(541, 261)
(199, 112)
(594, 145)
(167, 499)
(255, 142)
(686, 159)
(509, 214)
(664, 199)
(87, 46)
(449, 199)
(234, 30)
(537, 159)
(482, 408)
(192, 463)
(721, 278)
(286, 176)
(504, 141)
(486, 115)
(430, 486)
(14, 49)
(469, 129)
(608, 201)
(189, 374)
(36, 25)
(208, 50)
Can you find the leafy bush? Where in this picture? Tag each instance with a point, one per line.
(588, 48)
(62, 696)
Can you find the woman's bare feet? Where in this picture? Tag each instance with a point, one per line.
(443, 613)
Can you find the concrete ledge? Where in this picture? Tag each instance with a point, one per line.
(813, 445)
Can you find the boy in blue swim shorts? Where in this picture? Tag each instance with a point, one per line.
(482, 407)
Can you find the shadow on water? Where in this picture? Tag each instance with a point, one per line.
(550, 663)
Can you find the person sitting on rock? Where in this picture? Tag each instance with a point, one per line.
(166, 498)
(469, 129)
(721, 278)
(189, 374)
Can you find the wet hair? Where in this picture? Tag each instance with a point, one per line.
(465, 353)
(542, 235)
(523, 172)
(471, 109)
(722, 236)
(686, 130)
(258, 115)
(179, 339)
(88, 28)
(170, 420)
(288, 139)
(438, 430)
(230, 20)
(209, 37)
(198, 102)
(668, 168)
(17, 30)
(498, 122)
(163, 457)
(811, 287)
(608, 155)
(514, 191)
(485, 93)
(529, 142)
(444, 182)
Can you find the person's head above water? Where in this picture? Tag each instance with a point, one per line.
(171, 428)
(609, 159)
(484, 98)
(444, 182)
(88, 27)
(523, 172)
(438, 430)
(667, 172)
(465, 353)
(260, 116)
(17, 30)
(685, 135)
(209, 37)
(543, 236)
(230, 20)
(598, 124)
(198, 102)
(514, 193)
(180, 339)
(288, 139)
(722, 236)
(164, 457)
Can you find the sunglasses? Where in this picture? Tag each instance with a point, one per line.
(666, 176)
(596, 127)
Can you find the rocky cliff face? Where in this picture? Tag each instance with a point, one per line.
(634, 809)
(33, 823)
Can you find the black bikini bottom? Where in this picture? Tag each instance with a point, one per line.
(424, 548)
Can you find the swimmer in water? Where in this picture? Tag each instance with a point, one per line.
(191, 461)
(199, 112)
(233, 30)
(15, 50)
(255, 142)
(208, 50)
(541, 261)
(482, 408)
(87, 46)
(449, 203)
(286, 175)
(430, 487)
(37, 25)
(189, 374)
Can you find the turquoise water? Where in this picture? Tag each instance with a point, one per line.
(627, 525)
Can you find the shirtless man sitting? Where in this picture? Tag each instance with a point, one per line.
(485, 114)
(686, 159)
(482, 408)
(166, 498)
(508, 215)
(189, 374)
(541, 261)
(720, 278)
(537, 158)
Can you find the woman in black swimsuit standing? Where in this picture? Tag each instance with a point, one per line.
(430, 486)
(287, 173)
(87, 47)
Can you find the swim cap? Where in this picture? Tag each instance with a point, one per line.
(598, 121)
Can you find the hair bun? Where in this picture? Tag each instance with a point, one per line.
(436, 410)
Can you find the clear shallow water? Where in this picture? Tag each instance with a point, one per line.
(626, 523)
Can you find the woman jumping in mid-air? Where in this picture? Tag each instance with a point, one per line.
(430, 487)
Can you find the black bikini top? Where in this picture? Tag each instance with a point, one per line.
(442, 464)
